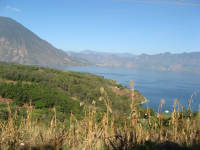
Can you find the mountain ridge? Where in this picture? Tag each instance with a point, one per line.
(20, 45)
(186, 61)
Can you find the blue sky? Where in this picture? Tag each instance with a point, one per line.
(136, 26)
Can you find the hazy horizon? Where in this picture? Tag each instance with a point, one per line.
(113, 26)
(132, 53)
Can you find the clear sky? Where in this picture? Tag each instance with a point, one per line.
(136, 26)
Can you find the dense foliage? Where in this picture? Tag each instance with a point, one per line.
(65, 90)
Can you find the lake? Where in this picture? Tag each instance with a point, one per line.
(154, 85)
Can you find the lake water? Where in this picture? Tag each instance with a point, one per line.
(154, 85)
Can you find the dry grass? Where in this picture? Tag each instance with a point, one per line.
(92, 134)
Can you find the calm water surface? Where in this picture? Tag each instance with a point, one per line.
(154, 85)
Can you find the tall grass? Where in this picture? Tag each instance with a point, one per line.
(104, 132)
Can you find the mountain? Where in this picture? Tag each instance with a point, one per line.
(20, 45)
(162, 62)
(103, 58)
(187, 62)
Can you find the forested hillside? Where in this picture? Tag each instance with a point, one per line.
(66, 91)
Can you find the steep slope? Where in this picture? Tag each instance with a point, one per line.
(20, 45)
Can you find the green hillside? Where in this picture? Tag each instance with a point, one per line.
(65, 90)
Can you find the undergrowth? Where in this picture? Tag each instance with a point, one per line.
(178, 131)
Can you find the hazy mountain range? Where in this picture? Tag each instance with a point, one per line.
(20, 45)
(164, 62)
